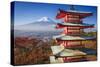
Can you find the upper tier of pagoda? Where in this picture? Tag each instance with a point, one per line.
(61, 14)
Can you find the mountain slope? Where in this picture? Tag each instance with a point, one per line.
(43, 24)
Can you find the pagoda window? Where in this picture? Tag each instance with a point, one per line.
(65, 30)
(73, 28)
(66, 18)
(63, 43)
(71, 31)
(72, 18)
(75, 16)
(71, 43)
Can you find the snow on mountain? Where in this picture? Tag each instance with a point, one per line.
(45, 19)
(42, 24)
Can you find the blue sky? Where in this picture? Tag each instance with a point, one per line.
(27, 12)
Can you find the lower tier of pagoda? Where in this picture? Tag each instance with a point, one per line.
(61, 54)
(61, 51)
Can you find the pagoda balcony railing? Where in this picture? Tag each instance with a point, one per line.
(74, 21)
(81, 27)
(75, 46)
(71, 33)
(76, 31)
(73, 59)
(73, 28)
(72, 45)
(73, 16)
(74, 34)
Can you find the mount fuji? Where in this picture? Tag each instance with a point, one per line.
(43, 27)
(42, 24)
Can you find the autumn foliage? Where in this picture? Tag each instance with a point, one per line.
(31, 51)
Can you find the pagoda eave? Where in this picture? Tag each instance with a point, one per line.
(63, 13)
(80, 26)
(64, 37)
(64, 52)
(74, 40)
(79, 56)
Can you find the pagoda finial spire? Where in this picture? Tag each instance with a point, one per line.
(72, 7)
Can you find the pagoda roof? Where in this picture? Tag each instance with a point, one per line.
(66, 52)
(75, 25)
(81, 12)
(62, 13)
(72, 38)
(88, 51)
(53, 59)
(56, 49)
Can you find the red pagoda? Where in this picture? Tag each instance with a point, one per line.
(69, 46)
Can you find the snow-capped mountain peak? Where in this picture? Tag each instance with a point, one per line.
(45, 19)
